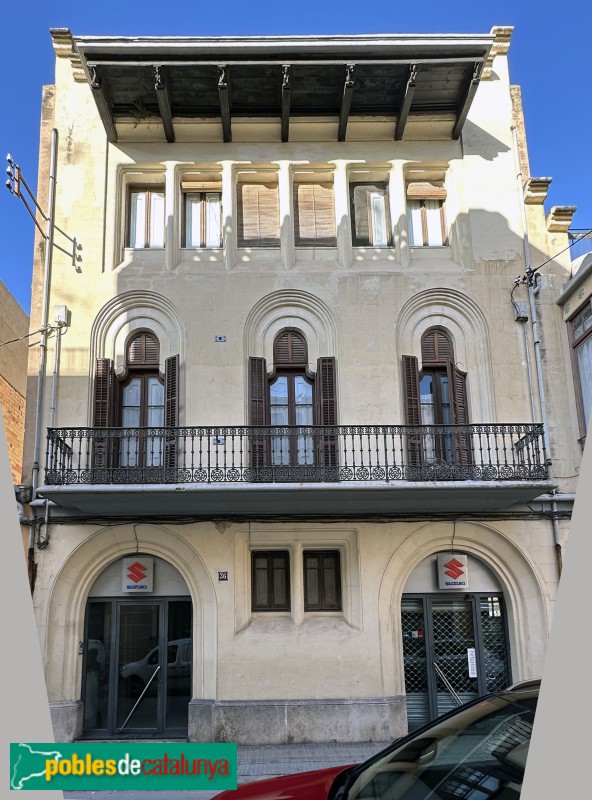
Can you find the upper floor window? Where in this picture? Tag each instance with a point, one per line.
(258, 214)
(581, 341)
(369, 214)
(202, 215)
(146, 217)
(314, 214)
(425, 214)
(270, 580)
(436, 395)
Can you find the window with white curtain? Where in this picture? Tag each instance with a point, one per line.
(203, 218)
(369, 214)
(146, 217)
(425, 214)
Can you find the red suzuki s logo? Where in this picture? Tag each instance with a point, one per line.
(137, 572)
(455, 569)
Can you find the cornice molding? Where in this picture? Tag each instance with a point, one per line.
(500, 47)
(535, 190)
(559, 218)
(63, 45)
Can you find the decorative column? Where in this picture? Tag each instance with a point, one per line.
(398, 213)
(286, 215)
(171, 242)
(342, 216)
(228, 215)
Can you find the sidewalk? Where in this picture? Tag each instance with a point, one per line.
(256, 762)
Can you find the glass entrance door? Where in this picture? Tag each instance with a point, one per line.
(138, 667)
(454, 649)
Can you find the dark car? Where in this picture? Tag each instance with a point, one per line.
(476, 751)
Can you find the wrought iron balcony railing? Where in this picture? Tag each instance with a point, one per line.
(581, 242)
(307, 454)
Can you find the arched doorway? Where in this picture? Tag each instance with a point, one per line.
(455, 643)
(138, 651)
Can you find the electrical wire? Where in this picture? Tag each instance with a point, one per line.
(26, 336)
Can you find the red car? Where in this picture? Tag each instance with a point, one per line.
(477, 751)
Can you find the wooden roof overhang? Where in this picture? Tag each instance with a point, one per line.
(283, 77)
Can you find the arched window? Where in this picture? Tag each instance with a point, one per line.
(143, 397)
(436, 395)
(290, 400)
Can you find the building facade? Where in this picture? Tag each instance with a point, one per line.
(14, 352)
(309, 465)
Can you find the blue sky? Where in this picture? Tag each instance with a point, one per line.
(549, 58)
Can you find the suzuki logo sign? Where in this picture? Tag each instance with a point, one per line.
(453, 571)
(137, 574)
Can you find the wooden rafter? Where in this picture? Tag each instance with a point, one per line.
(286, 89)
(406, 101)
(348, 90)
(103, 102)
(164, 101)
(467, 96)
(224, 97)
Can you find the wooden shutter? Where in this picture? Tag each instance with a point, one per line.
(258, 215)
(426, 190)
(412, 407)
(171, 408)
(457, 380)
(143, 349)
(326, 409)
(314, 215)
(258, 407)
(104, 406)
(104, 391)
(290, 347)
(435, 348)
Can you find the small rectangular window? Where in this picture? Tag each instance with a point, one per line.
(202, 216)
(369, 215)
(322, 580)
(258, 215)
(270, 578)
(425, 214)
(314, 215)
(146, 218)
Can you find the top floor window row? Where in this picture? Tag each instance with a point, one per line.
(256, 207)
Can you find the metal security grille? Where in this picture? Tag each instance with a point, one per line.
(414, 656)
(438, 635)
(453, 635)
(493, 635)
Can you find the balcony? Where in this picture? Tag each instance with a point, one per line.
(580, 242)
(312, 471)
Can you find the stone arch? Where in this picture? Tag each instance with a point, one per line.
(291, 309)
(135, 311)
(526, 602)
(67, 603)
(463, 320)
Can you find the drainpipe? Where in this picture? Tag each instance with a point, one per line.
(532, 292)
(44, 316)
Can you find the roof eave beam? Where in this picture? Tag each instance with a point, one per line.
(348, 90)
(164, 101)
(103, 102)
(224, 97)
(468, 94)
(286, 89)
(405, 106)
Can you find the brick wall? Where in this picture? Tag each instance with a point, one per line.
(13, 413)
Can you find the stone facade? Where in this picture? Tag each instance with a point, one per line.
(342, 672)
(14, 324)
